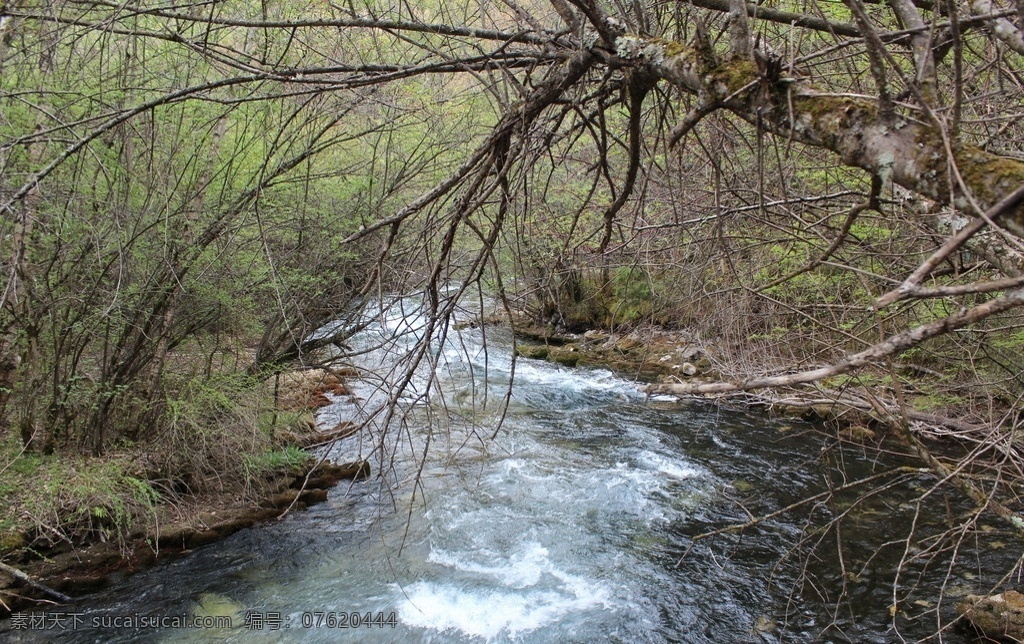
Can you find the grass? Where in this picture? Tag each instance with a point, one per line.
(68, 498)
(290, 459)
(52, 499)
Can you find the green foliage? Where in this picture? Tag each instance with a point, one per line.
(821, 284)
(73, 499)
(584, 299)
(870, 232)
(937, 401)
(270, 422)
(632, 297)
(1010, 341)
(27, 464)
(289, 459)
(179, 242)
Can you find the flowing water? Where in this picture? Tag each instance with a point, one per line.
(576, 523)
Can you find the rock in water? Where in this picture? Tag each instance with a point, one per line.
(214, 605)
(996, 616)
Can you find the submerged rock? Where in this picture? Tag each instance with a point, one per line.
(214, 605)
(996, 616)
(858, 433)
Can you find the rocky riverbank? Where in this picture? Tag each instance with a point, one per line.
(648, 355)
(655, 356)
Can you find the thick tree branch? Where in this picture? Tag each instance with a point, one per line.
(875, 50)
(638, 88)
(802, 20)
(924, 61)
(906, 152)
(887, 347)
(1004, 30)
(739, 29)
(993, 16)
(21, 576)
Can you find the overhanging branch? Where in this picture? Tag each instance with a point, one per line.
(906, 152)
(887, 347)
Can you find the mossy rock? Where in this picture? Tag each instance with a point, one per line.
(825, 412)
(534, 351)
(742, 486)
(11, 541)
(793, 411)
(568, 356)
(328, 474)
(996, 616)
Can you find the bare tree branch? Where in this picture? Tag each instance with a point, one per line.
(887, 347)
(1008, 33)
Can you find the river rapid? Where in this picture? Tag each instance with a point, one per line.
(564, 509)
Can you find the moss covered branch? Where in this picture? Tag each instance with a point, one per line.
(907, 152)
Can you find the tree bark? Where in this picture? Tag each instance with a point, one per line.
(907, 152)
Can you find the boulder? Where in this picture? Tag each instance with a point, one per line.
(535, 351)
(687, 369)
(995, 616)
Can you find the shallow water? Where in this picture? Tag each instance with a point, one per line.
(576, 523)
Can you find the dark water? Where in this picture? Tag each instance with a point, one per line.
(578, 522)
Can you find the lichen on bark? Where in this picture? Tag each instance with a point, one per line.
(908, 152)
(732, 76)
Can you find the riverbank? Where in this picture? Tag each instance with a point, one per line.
(861, 407)
(72, 523)
(64, 570)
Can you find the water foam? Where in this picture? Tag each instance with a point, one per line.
(672, 467)
(523, 569)
(497, 593)
(489, 613)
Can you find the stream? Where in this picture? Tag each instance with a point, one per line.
(566, 513)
